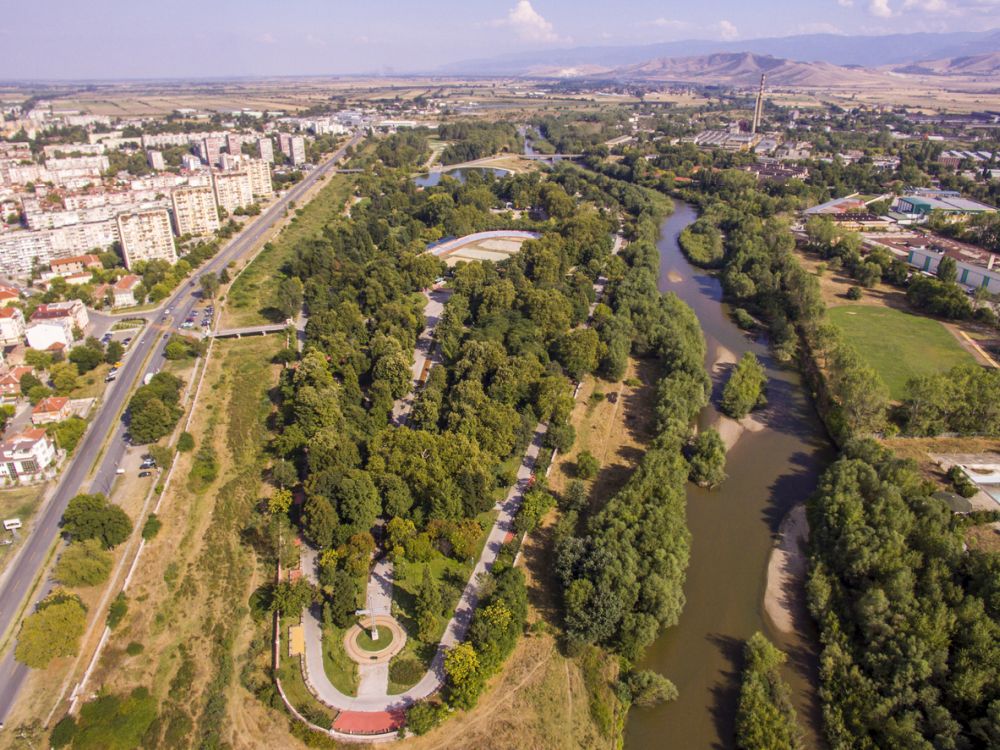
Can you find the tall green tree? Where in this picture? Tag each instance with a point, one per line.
(744, 390)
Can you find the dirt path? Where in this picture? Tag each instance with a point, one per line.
(784, 597)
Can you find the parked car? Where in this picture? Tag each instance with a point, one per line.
(144, 474)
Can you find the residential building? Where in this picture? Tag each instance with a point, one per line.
(10, 382)
(20, 251)
(51, 409)
(124, 291)
(73, 309)
(155, 160)
(209, 149)
(195, 211)
(76, 264)
(297, 150)
(232, 190)
(11, 326)
(27, 455)
(265, 149)
(145, 235)
(285, 144)
(259, 172)
(8, 295)
(56, 333)
(190, 162)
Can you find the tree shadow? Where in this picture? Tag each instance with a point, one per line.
(726, 693)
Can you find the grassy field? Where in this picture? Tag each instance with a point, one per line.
(18, 502)
(897, 344)
(250, 297)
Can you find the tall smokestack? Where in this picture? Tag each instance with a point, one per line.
(758, 110)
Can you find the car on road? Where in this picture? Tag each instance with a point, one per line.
(119, 471)
(111, 377)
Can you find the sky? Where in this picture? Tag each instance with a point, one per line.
(69, 39)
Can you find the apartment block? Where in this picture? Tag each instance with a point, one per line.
(232, 190)
(155, 160)
(285, 144)
(297, 150)
(259, 172)
(195, 211)
(209, 149)
(20, 251)
(265, 150)
(145, 235)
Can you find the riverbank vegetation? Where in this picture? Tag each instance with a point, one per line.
(765, 718)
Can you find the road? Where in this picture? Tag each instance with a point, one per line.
(29, 563)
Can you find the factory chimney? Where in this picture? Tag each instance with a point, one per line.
(758, 110)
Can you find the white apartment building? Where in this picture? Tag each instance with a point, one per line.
(195, 211)
(285, 144)
(232, 190)
(259, 172)
(265, 150)
(146, 235)
(94, 164)
(297, 150)
(27, 455)
(84, 149)
(11, 326)
(155, 160)
(45, 334)
(87, 236)
(19, 251)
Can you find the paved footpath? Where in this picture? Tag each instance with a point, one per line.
(432, 681)
(425, 355)
(373, 679)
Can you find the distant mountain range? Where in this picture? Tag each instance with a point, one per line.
(744, 69)
(906, 52)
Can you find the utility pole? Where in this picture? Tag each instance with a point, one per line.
(758, 110)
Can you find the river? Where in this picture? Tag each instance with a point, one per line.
(732, 531)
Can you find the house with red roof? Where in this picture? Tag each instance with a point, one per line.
(51, 409)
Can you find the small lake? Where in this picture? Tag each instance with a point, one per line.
(434, 178)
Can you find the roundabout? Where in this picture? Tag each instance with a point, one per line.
(363, 650)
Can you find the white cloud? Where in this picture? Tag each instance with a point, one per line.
(671, 23)
(528, 23)
(727, 30)
(928, 6)
(845, 3)
(880, 8)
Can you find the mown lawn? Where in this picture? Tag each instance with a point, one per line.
(899, 345)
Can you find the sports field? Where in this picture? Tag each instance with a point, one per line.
(897, 344)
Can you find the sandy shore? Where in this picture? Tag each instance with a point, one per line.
(731, 430)
(784, 597)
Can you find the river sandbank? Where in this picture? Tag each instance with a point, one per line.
(784, 596)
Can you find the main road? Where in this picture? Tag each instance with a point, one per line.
(108, 429)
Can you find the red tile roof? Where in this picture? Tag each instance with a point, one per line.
(51, 404)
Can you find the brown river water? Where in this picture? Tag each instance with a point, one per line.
(732, 529)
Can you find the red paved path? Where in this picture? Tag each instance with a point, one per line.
(369, 722)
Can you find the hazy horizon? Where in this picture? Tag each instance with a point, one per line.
(109, 40)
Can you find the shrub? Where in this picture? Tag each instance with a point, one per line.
(854, 293)
(185, 443)
(134, 648)
(117, 610)
(63, 732)
(744, 319)
(587, 465)
(405, 671)
(424, 716)
(151, 528)
(745, 388)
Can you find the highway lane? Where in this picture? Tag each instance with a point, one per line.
(31, 558)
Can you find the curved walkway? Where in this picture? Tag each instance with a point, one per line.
(447, 246)
(314, 673)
